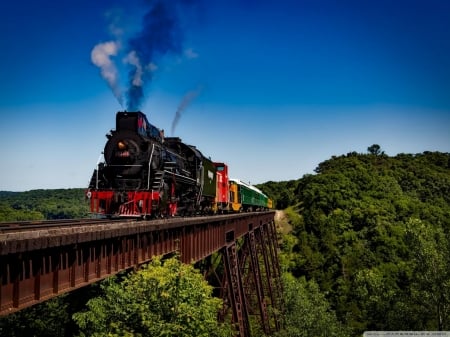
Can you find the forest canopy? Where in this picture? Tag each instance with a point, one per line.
(373, 232)
(43, 204)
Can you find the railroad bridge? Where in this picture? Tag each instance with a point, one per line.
(39, 264)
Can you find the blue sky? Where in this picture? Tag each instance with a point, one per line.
(275, 87)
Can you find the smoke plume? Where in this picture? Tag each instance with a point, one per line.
(160, 34)
(187, 99)
(101, 57)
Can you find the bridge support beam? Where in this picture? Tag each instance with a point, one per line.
(251, 281)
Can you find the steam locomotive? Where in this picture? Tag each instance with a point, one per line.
(145, 174)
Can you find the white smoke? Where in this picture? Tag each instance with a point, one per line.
(133, 59)
(101, 56)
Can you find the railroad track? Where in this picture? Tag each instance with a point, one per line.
(31, 225)
(18, 226)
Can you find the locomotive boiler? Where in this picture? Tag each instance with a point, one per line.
(145, 174)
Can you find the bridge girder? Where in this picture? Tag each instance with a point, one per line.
(36, 266)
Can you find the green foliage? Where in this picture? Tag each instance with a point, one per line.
(282, 193)
(8, 213)
(373, 232)
(308, 313)
(48, 319)
(375, 149)
(163, 299)
(43, 204)
(430, 260)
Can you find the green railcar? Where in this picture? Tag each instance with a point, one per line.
(249, 197)
(208, 177)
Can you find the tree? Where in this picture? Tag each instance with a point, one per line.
(307, 311)
(375, 149)
(430, 257)
(162, 299)
(48, 319)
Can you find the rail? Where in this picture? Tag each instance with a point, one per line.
(9, 227)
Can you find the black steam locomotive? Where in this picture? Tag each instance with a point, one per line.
(146, 174)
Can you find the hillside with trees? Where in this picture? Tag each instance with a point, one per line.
(43, 204)
(373, 232)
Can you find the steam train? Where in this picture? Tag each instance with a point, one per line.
(147, 175)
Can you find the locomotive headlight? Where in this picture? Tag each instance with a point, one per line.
(121, 145)
(122, 149)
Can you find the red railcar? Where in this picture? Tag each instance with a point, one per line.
(222, 201)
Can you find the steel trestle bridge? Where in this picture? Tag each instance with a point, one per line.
(237, 251)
